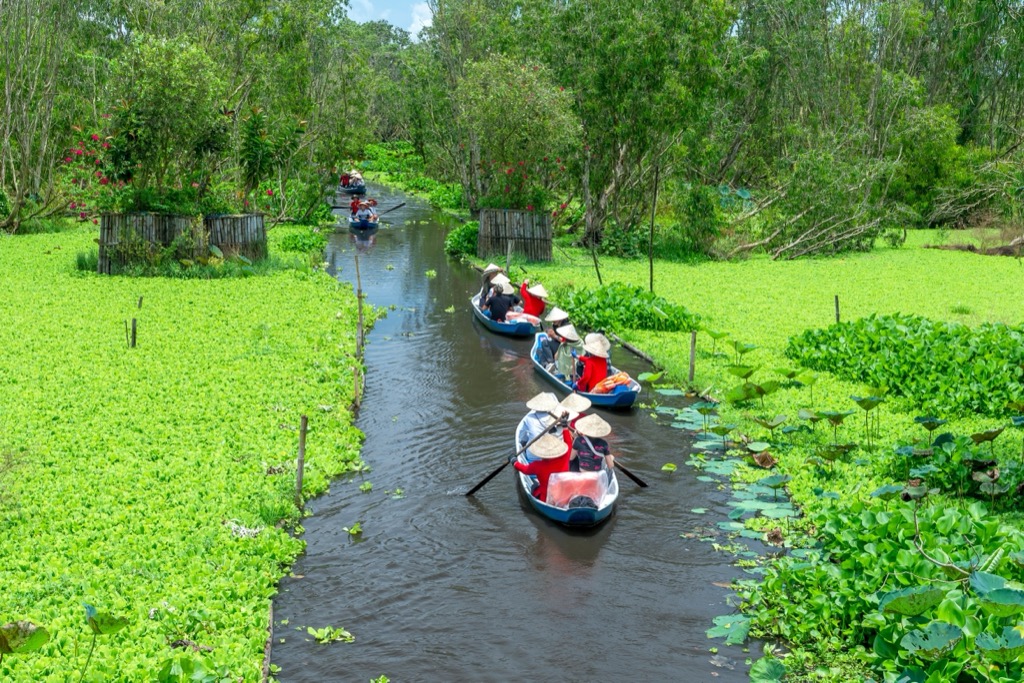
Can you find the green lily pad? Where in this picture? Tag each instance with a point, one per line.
(929, 422)
(805, 414)
(911, 601)
(887, 492)
(649, 376)
(668, 467)
(741, 371)
(1006, 647)
(22, 636)
(788, 373)
(934, 641)
(867, 402)
(780, 512)
(103, 623)
(671, 392)
(767, 670)
(699, 511)
(987, 435)
(1002, 602)
(775, 481)
(772, 423)
(983, 582)
(733, 627)
(758, 446)
(722, 429)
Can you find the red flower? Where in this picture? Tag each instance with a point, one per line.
(74, 206)
(562, 206)
(529, 207)
(99, 174)
(67, 160)
(561, 168)
(105, 145)
(558, 160)
(522, 163)
(104, 181)
(98, 162)
(95, 137)
(95, 221)
(561, 88)
(508, 171)
(270, 192)
(82, 215)
(78, 152)
(554, 213)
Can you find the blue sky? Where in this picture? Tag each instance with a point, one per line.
(412, 15)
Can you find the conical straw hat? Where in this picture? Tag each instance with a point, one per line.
(592, 426)
(544, 401)
(548, 447)
(538, 290)
(556, 314)
(596, 344)
(576, 403)
(492, 268)
(568, 332)
(500, 279)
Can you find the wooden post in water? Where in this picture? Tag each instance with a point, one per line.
(837, 309)
(301, 463)
(693, 354)
(650, 240)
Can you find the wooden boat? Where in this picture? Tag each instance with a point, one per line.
(624, 398)
(362, 223)
(354, 189)
(569, 516)
(521, 328)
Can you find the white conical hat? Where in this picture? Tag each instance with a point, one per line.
(575, 403)
(492, 268)
(596, 345)
(538, 291)
(568, 332)
(592, 426)
(556, 314)
(507, 288)
(500, 279)
(544, 401)
(548, 447)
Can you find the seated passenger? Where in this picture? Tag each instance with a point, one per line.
(498, 305)
(533, 298)
(553, 456)
(595, 361)
(565, 361)
(590, 450)
(488, 275)
(365, 212)
(544, 413)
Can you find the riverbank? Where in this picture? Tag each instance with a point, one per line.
(763, 303)
(151, 481)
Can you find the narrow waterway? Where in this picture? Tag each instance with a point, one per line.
(441, 587)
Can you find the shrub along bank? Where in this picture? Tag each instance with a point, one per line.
(892, 496)
(151, 480)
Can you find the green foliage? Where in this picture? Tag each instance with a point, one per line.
(109, 439)
(330, 634)
(926, 141)
(940, 367)
(699, 221)
(462, 239)
(618, 307)
(5, 204)
(305, 241)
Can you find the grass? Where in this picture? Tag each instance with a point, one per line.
(139, 466)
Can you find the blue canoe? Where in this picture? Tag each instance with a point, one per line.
(354, 189)
(523, 328)
(569, 516)
(624, 397)
(362, 223)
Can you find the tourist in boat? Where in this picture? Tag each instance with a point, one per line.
(552, 455)
(595, 361)
(545, 411)
(366, 212)
(354, 205)
(498, 305)
(533, 298)
(590, 452)
(345, 178)
(489, 273)
(565, 354)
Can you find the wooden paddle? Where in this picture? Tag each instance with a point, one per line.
(397, 206)
(493, 474)
(639, 482)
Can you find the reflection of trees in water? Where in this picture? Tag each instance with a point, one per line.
(561, 552)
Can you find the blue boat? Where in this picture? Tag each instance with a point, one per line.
(624, 397)
(362, 223)
(570, 516)
(521, 328)
(354, 189)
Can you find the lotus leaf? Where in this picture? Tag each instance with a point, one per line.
(733, 627)
(775, 481)
(1006, 647)
(649, 376)
(742, 347)
(704, 407)
(929, 422)
(867, 402)
(911, 601)
(983, 582)
(772, 423)
(835, 417)
(758, 446)
(716, 335)
(935, 640)
(744, 392)
(1002, 602)
(887, 492)
(22, 636)
(668, 467)
(1017, 558)
(767, 670)
(987, 435)
(722, 429)
(788, 373)
(741, 371)
(805, 414)
(103, 623)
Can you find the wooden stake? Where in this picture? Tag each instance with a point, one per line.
(693, 354)
(133, 333)
(127, 337)
(140, 302)
(837, 309)
(301, 465)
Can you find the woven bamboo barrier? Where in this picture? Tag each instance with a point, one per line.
(528, 233)
(151, 232)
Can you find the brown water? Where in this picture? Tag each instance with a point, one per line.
(441, 587)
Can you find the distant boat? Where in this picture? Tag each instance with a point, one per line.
(624, 397)
(524, 327)
(580, 511)
(354, 189)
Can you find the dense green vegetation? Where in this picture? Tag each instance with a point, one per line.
(847, 469)
(149, 482)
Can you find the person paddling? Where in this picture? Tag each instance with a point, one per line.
(533, 298)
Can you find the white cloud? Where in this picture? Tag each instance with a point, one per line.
(421, 18)
(365, 10)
